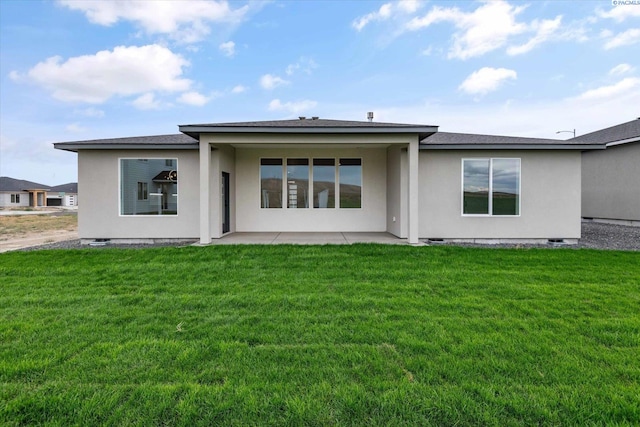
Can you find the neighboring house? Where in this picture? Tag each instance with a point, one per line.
(329, 176)
(63, 195)
(16, 193)
(611, 178)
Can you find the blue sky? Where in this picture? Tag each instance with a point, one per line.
(76, 70)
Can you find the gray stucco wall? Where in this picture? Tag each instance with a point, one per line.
(550, 197)
(5, 199)
(611, 183)
(99, 186)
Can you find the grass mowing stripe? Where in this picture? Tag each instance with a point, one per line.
(320, 335)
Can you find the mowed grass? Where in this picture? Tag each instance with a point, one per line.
(320, 335)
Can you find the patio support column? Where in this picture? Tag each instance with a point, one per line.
(205, 199)
(413, 153)
(215, 195)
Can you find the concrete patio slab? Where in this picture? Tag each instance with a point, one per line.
(385, 238)
(307, 239)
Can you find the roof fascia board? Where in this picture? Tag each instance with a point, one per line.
(76, 147)
(512, 147)
(188, 129)
(623, 141)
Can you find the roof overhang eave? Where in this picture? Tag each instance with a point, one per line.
(581, 147)
(75, 147)
(623, 141)
(195, 131)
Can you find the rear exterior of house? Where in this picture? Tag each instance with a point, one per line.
(316, 175)
(611, 177)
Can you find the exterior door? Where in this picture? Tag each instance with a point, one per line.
(226, 211)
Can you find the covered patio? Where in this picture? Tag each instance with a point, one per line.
(310, 238)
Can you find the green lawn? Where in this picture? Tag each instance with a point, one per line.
(320, 335)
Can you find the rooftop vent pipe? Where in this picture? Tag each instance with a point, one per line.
(370, 116)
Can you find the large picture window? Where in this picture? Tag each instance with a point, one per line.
(350, 183)
(320, 183)
(271, 183)
(491, 187)
(148, 187)
(297, 183)
(324, 183)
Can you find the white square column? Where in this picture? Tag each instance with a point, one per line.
(413, 153)
(205, 198)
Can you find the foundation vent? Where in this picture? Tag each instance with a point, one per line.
(556, 242)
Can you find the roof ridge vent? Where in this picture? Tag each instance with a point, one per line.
(315, 118)
(302, 117)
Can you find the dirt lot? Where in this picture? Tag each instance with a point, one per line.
(20, 231)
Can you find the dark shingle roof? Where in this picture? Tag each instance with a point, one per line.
(621, 132)
(71, 187)
(311, 123)
(444, 140)
(12, 184)
(308, 126)
(157, 141)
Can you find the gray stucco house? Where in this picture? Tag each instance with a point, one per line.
(611, 178)
(17, 193)
(314, 174)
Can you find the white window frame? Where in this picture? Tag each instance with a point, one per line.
(361, 183)
(285, 204)
(490, 195)
(336, 184)
(120, 187)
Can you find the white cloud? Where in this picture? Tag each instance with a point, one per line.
(228, 48)
(269, 81)
(90, 112)
(486, 80)
(381, 14)
(292, 107)
(625, 38)
(545, 30)
(193, 98)
(409, 6)
(485, 29)
(620, 13)
(629, 84)
(239, 89)
(387, 11)
(147, 101)
(124, 71)
(304, 64)
(517, 117)
(181, 21)
(620, 69)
